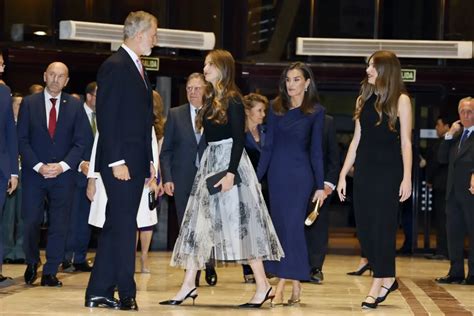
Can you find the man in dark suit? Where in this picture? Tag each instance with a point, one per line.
(124, 160)
(458, 150)
(8, 153)
(436, 179)
(181, 150)
(79, 231)
(51, 135)
(317, 234)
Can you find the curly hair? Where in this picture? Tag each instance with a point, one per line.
(225, 89)
(159, 122)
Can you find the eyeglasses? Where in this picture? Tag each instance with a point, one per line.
(191, 89)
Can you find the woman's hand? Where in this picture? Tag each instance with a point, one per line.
(227, 182)
(319, 195)
(90, 191)
(341, 188)
(405, 190)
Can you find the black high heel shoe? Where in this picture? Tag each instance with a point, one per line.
(258, 305)
(373, 305)
(178, 302)
(362, 270)
(392, 288)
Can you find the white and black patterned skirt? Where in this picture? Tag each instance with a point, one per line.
(229, 226)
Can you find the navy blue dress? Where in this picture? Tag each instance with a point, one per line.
(292, 158)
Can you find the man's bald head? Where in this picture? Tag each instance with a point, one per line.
(56, 77)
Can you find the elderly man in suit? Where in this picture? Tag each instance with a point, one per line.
(181, 150)
(458, 150)
(124, 160)
(317, 234)
(8, 153)
(51, 135)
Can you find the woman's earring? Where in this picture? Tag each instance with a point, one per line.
(305, 89)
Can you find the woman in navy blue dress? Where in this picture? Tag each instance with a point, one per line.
(292, 158)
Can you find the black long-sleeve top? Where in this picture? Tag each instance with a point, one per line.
(234, 128)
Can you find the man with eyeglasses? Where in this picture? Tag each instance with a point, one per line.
(79, 231)
(8, 153)
(182, 149)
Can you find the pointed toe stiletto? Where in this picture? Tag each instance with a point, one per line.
(178, 302)
(392, 288)
(258, 305)
(361, 270)
(367, 305)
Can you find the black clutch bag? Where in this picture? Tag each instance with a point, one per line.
(212, 180)
(152, 201)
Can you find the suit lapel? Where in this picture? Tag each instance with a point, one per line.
(42, 111)
(61, 115)
(467, 143)
(188, 123)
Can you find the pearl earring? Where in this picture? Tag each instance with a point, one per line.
(306, 89)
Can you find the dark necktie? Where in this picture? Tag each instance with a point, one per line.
(197, 134)
(93, 123)
(463, 139)
(52, 118)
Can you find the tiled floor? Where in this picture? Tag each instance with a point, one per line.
(339, 295)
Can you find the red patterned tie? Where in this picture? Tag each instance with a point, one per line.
(52, 118)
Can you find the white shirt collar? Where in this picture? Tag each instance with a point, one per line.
(132, 54)
(48, 96)
(88, 109)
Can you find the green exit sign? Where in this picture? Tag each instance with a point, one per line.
(409, 75)
(150, 63)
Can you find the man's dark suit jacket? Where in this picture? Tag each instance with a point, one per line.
(178, 154)
(461, 163)
(8, 136)
(121, 118)
(35, 143)
(330, 151)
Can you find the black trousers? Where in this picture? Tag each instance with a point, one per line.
(460, 221)
(439, 208)
(115, 259)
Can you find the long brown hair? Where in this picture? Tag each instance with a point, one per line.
(388, 87)
(282, 103)
(159, 122)
(215, 108)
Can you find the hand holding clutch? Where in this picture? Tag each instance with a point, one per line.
(313, 215)
(212, 180)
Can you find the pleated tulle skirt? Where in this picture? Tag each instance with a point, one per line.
(227, 226)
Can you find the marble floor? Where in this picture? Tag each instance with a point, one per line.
(339, 295)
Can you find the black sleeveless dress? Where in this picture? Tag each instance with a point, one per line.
(378, 172)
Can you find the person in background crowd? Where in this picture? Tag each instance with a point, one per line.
(182, 149)
(8, 153)
(457, 149)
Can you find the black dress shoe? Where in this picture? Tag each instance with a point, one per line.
(191, 294)
(211, 276)
(50, 280)
(128, 303)
(84, 267)
(469, 280)
(31, 273)
(316, 276)
(101, 301)
(449, 280)
(67, 266)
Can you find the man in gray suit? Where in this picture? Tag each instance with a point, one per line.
(181, 151)
(458, 150)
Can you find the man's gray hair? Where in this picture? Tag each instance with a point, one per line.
(136, 22)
